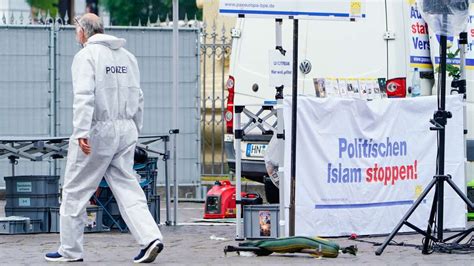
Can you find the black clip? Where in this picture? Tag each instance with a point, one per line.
(13, 159)
(239, 109)
(166, 155)
(460, 85)
(279, 94)
(282, 51)
(440, 119)
(281, 136)
(238, 134)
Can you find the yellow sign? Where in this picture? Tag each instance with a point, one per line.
(418, 191)
(356, 7)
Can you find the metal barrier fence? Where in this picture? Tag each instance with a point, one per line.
(36, 87)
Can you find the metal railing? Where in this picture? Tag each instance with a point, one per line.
(215, 50)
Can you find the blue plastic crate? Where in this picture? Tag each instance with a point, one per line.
(36, 226)
(32, 200)
(93, 224)
(154, 207)
(36, 185)
(14, 225)
(41, 214)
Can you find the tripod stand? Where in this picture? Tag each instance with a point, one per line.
(439, 122)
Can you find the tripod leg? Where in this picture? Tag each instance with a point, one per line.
(468, 202)
(460, 193)
(461, 235)
(425, 192)
(440, 210)
(430, 221)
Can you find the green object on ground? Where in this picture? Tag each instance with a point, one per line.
(470, 216)
(314, 246)
(470, 188)
(470, 183)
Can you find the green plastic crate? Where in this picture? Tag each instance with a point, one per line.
(470, 195)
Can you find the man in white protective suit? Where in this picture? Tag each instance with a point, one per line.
(107, 118)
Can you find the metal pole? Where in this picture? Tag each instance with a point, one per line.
(52, 78)
(223, 38)
(167, 184)
(213, 142)
(462, 89)
(56, 91)
(175, 102)
(294, 109)
(281, 172)
(55, 80)
(52, 90)
(462, 55)
(204, 100)
(442, 138)
(13, 161)
(199, 114)
(238, 172)
(280, 132)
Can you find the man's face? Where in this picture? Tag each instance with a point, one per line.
(80, 37)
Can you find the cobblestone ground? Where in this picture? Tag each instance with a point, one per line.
(203, 245)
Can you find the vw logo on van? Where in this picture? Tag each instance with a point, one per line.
(305, 67)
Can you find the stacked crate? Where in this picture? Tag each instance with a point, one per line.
(148, 175)
(14, 225)
(93, 223)
(32, 197)
(105, 198)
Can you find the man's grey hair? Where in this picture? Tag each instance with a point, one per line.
(91, 27)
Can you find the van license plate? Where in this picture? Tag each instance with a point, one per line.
(256, 150)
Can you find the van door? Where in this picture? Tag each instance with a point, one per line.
(397, 38)
(249, 63)
(339, 49)
(343, 49)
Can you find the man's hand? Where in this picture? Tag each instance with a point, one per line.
(84, 145)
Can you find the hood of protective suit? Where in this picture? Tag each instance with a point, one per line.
(109, 41)
(106, 86)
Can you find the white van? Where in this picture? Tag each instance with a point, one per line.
(390, 42)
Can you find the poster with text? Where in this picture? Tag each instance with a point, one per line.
(361, 165)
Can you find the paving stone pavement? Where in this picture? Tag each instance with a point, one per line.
(197, 245)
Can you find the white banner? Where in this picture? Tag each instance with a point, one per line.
(305, 9)
(361, 165)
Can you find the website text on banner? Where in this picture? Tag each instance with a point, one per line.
(303, 9)
(362, 164)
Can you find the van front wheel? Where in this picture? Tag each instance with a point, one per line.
(272, 192)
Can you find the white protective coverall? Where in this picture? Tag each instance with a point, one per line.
(107, 110)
